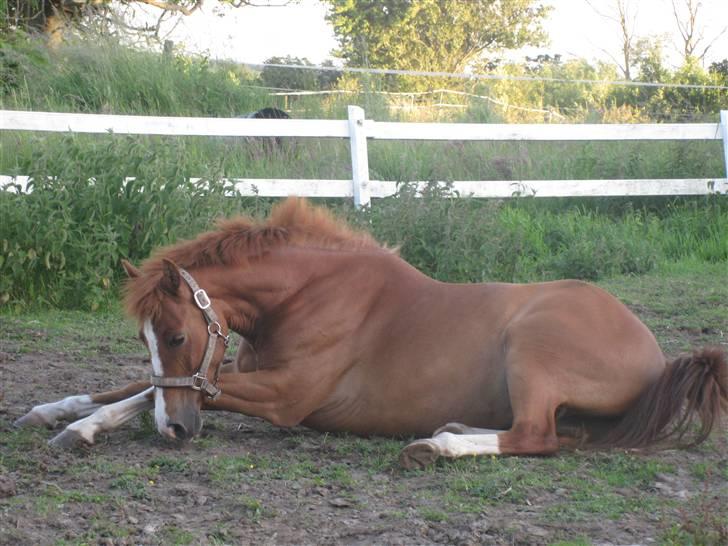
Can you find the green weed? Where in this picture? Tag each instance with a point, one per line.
(53, 499)
(166, 464)
(230, 468)
(16, 443)
(436, 516)
(338, 474)
(171, 534)
(132, 484)
(252, 508)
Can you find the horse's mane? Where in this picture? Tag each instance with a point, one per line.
(293, 222)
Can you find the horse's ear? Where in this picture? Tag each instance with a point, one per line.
(131, 271)
(171, 278)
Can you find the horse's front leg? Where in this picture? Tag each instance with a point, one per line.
(280, 396)
(76, 407)
(105, 419)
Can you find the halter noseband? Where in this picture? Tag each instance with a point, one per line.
(198, 381)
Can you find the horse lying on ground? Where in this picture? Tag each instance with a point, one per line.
(341, 334)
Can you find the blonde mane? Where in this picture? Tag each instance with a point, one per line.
(293, 222)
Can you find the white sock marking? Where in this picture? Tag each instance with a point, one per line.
(458, 445)
(160, 411)
(71, 407)
(112, 416)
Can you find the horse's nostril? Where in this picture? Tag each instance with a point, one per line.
(180, 432)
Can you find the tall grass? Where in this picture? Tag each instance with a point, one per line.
(468, 240)
(105, 78)
(62, 243)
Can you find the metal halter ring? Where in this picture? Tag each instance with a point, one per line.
(214, 329)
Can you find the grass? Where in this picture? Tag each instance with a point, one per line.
(172, 534)
(587, 481)
(680, 302)
(253, 509)
(61, 245)
(430, 514)
(72, 332)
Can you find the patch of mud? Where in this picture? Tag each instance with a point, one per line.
(247, 482)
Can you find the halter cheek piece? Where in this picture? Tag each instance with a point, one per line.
(198, 381)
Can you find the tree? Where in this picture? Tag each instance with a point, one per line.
(622, 13)
(53, 18)
(431, 35)
(720, 68)
(649, 59)
(691, 34)
(297, 79)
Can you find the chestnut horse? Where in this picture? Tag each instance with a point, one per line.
(341, 334)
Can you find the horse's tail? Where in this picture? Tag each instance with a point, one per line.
(691, 386)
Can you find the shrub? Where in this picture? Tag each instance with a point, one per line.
(62, 243)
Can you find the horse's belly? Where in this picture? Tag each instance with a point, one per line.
(416, 400)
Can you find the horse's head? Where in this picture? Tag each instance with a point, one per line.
(186, 340)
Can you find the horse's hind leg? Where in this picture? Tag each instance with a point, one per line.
(76, 407)
(526, 437)
(533, 431)
(104, 419)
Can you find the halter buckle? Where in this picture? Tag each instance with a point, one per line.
(199, 382)
(202, 384)
(201, 299)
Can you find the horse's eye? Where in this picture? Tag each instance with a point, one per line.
(176, 340)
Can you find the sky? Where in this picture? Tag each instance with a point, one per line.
(254, 34)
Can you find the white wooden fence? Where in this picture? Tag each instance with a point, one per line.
(358, 129)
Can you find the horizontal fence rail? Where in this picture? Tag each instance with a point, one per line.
(542, 132)
(358, 129)
(283, 187)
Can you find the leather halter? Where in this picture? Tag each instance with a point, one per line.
(198, 381)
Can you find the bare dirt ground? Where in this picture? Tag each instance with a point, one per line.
(247, 482)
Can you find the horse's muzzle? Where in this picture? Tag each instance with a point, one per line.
(183, 426)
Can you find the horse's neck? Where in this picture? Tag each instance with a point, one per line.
(313, 282)
(252, 291)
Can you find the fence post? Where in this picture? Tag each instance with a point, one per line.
(724, 135)
(359, 157)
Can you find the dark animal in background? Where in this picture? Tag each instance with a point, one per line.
(268, 144)
(268, 112)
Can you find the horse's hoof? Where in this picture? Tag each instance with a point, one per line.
(419, 454)
(455, 428)
(68, 439)
(33, 419)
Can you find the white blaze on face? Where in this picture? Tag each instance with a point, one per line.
(160, 411)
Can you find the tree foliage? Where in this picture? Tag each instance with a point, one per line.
(54, 18)
(279, 77)
(431, 35)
